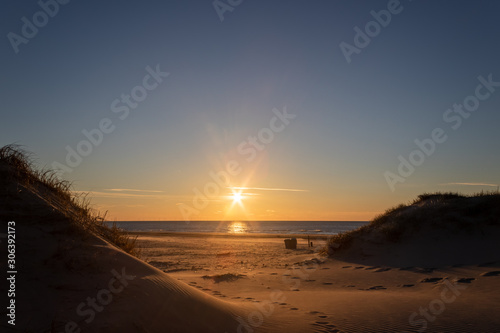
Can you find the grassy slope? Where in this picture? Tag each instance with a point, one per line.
(26, 189)
(449, 212)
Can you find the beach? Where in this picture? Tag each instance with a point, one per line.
(302, 291)
(428, 266)
(230, 253)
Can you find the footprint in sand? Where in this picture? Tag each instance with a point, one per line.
(295, 289)
(431, 280)
(249, 298)
(407, 285)
(325, 268)
(314, 312)
(327, 283)
(322, 317)
(377, 288)
(309, 280)
(236, 297)
(346, 266)
(492, 273)
(465, 280)
(324, 326)
(283, 303)
(293, 308)
(273, 274)
(359, 267)
(382, 270)
(205, 289)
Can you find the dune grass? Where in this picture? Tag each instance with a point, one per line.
(453, 212)
(16, 167)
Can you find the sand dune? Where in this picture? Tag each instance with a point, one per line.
(70, 279)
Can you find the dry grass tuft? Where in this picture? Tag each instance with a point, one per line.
(16, 168)
(453, 212)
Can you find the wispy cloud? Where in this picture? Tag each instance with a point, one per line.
(130, 190)
(470, 184)
(266, 189)
(121, 194)
(101, 194)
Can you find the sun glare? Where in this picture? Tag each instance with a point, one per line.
(237, 197)
(237, 206)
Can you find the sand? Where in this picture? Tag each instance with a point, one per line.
(302, 291)
(200, 283)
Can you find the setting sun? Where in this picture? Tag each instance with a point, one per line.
(237, 197)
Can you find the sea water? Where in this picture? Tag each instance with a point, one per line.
(241, 227)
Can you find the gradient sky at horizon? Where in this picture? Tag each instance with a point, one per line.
(225, 79)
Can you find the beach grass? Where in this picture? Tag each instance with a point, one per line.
(452, 212)
(17, 167)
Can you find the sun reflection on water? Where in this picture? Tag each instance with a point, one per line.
(237, 227)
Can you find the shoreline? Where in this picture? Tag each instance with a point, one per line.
(225, 235)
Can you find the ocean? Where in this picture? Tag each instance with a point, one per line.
(241, 227)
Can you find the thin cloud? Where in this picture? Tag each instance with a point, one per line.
(116, 195)
(267, 189)
(130, 190)
(470, 184)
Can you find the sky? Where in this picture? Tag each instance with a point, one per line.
(254, 110)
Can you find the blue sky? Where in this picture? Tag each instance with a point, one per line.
(352, 121)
